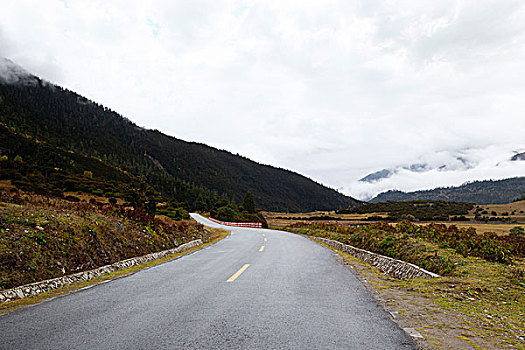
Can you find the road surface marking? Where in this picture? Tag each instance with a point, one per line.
(262, 248)
(238, 273)
(265, 239)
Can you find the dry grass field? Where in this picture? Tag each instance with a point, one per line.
(499, 229)
(518, 207)
(6, 185)
(284, 219)
(515, 211)
(88, 197)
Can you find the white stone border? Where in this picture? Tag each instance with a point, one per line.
(393, 267)
(54, 283)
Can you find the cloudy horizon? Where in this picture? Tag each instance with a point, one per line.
(334, 90)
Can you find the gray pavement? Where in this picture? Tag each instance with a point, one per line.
(293, 295)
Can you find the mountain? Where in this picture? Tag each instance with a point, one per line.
(454, 162)
(518, 156)
(480, 192)
(12, 73)
(378, 175)
(54, 131)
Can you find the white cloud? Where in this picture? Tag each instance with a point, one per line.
(447, 168)
(333, 89)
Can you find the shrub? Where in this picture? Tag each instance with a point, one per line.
(517, 231)
(459, 218)
(175, 214)
(72, 199)
(226, 213)
(464, 241)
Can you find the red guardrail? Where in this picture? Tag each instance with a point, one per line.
(238, 224)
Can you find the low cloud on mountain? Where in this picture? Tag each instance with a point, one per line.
(479, 164)
(335, 90)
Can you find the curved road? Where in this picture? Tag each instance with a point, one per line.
(291, 294)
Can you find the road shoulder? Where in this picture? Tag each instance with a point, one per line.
(416, 309)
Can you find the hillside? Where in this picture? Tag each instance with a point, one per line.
(480, 192)
(44, 237)
(50, 126)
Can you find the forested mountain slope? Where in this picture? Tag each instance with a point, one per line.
(480, 192)
(68, 123)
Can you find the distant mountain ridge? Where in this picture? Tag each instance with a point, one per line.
(185, 171)
(458, 163)
(480, 192)
(518, 156)
(454, 162)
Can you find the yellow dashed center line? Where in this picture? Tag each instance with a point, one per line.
(262, 248)
(238, 273)
(266, 239)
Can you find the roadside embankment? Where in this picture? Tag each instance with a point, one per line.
(54, 283)
(44, 238)
(393, 267)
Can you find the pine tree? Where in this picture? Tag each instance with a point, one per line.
(248, 203)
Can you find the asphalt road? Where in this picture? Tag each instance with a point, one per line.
(291, 294)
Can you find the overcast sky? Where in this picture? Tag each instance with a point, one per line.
(332, 89)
